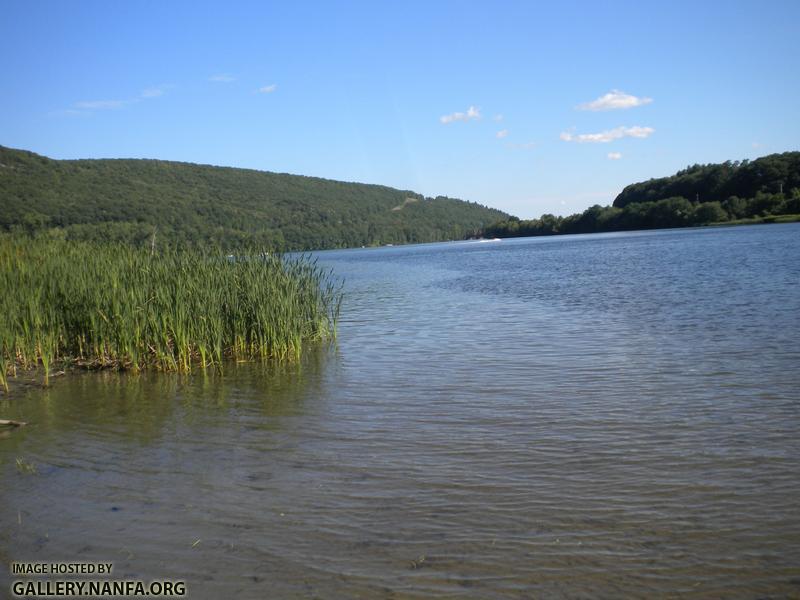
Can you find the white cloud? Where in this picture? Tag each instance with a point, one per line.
(267, 89)
(614, 155)
(69, 112)
(497, 118)
(101, 104)
(155, 91)
(615, 100)
(472, 113)
(608, 136)
(152, 93)
(501, 134)
(222, 78)
(85, 107)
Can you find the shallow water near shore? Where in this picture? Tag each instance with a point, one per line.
(611, 416)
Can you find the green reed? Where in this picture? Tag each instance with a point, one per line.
(114, 306)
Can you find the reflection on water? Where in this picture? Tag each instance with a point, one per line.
(595, 416)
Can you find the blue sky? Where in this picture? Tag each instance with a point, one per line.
(507, 104)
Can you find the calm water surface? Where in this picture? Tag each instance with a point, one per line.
(606, 416)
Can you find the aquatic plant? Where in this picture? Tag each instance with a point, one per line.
(25, 466)
(113, 306)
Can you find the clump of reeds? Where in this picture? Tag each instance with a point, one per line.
(25, 466)
(114, 306)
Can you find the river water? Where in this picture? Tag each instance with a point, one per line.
(599, 416)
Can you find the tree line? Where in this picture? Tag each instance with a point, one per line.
(764, 189)
(187, 204)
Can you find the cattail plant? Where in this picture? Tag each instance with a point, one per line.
(95, 306)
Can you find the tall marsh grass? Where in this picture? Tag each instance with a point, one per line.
(111, 306)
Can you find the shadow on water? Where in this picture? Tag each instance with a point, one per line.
(142, 406)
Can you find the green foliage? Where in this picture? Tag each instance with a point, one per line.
(773, 174)
(792, 206)
(129, 200)
(708, 212)
(735, 207)
(760, 190)
(118, 306)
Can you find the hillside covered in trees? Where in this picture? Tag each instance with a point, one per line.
(769, 175)
(763, 190)
(129, 200)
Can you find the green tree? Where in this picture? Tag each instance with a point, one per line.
(708, 212)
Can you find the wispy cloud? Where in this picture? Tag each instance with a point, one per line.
(87, 107)
(471, 114)
(101, 104)
(154, 92)
(614, 155)
(503, 133)
(267, 89)
(615, 100)
(497, 118)
(523, 146)
(69, 112)
(757, 145)
(222, 78)
(608, 136)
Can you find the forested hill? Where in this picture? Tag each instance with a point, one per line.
(129, 200)
(771, 174)
(762, 191)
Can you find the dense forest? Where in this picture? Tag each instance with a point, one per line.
(181, 203)
(766, 189)
(771, 174)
